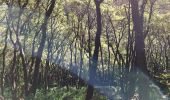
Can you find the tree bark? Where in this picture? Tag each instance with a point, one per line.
(140, 59)
(4, 64)
(93, 67)
(41, 47)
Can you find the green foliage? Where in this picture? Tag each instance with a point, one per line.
(7, 93)
(58, 93)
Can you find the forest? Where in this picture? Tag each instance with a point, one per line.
(84, 49)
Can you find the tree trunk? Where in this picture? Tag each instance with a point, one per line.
(140, 59)
(41, 47)
(93, 67)
(4, 64)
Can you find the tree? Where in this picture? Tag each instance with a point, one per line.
(93, 67)
(42, 43)
(140, 58)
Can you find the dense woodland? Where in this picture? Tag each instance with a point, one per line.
(84, 49)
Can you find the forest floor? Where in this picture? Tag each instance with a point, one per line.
(60, 93)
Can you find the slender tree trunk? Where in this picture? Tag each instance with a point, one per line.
(41, 47)
(81, 57)
(13, 74)
(93, 67)
(108, 49)
(4, 64)
(47, 67)
(89, 38)
(101, 54)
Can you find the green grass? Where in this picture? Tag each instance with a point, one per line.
(64, 94)
(59, 93)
